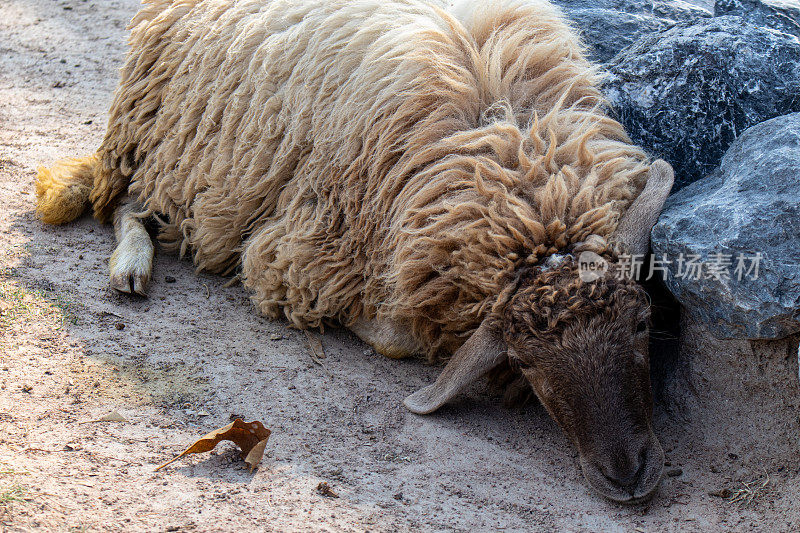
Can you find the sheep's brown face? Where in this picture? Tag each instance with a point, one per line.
(583, 346)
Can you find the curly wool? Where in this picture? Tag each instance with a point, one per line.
(368, 157)
(559, 298)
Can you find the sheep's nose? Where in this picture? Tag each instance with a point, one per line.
(623, 468)
(625, 472)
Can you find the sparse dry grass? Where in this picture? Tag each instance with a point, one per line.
(751, 492)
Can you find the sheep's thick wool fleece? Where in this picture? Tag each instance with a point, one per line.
(393, 158)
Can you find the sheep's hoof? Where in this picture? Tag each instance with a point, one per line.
(130, 283)
(130, 266)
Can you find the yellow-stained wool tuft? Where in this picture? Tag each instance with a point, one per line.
(366, 157)
(62, 191)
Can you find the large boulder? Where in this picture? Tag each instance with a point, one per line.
(606, 31)
(745, 215)
(781, 15)
(686, 93)
(674, 10)
(608, 26)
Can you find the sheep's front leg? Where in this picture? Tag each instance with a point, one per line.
(131, 263)
(387, 337)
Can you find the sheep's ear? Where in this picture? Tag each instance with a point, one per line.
(483, 351)
(633, 232)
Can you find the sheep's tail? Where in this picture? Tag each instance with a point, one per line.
(63, 190)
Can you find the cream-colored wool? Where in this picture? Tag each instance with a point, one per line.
(366, 157)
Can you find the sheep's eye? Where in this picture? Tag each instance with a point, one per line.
(641, 327)
(522, 365)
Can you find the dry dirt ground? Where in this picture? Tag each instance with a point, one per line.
(194, 353)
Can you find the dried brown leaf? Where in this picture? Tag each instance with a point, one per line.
(250, 437)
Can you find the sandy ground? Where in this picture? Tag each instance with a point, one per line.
(193, 354)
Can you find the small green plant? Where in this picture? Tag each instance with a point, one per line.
(13, 493)
(17, 303)
(20, 303)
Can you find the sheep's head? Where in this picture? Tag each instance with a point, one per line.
(583, 347)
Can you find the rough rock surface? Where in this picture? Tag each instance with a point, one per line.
(747, 206)
(608, 26)
(781, 15)
(675, 10)
(685, 94)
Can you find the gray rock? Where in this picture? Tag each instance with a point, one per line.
(675, 10)
(686, 93)
(749, 205)
(779, 15)
(606, 32)
(608, 26)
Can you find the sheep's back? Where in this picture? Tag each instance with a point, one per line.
(375, 157)
(222, 103)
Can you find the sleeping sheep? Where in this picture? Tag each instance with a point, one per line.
(423, 174)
